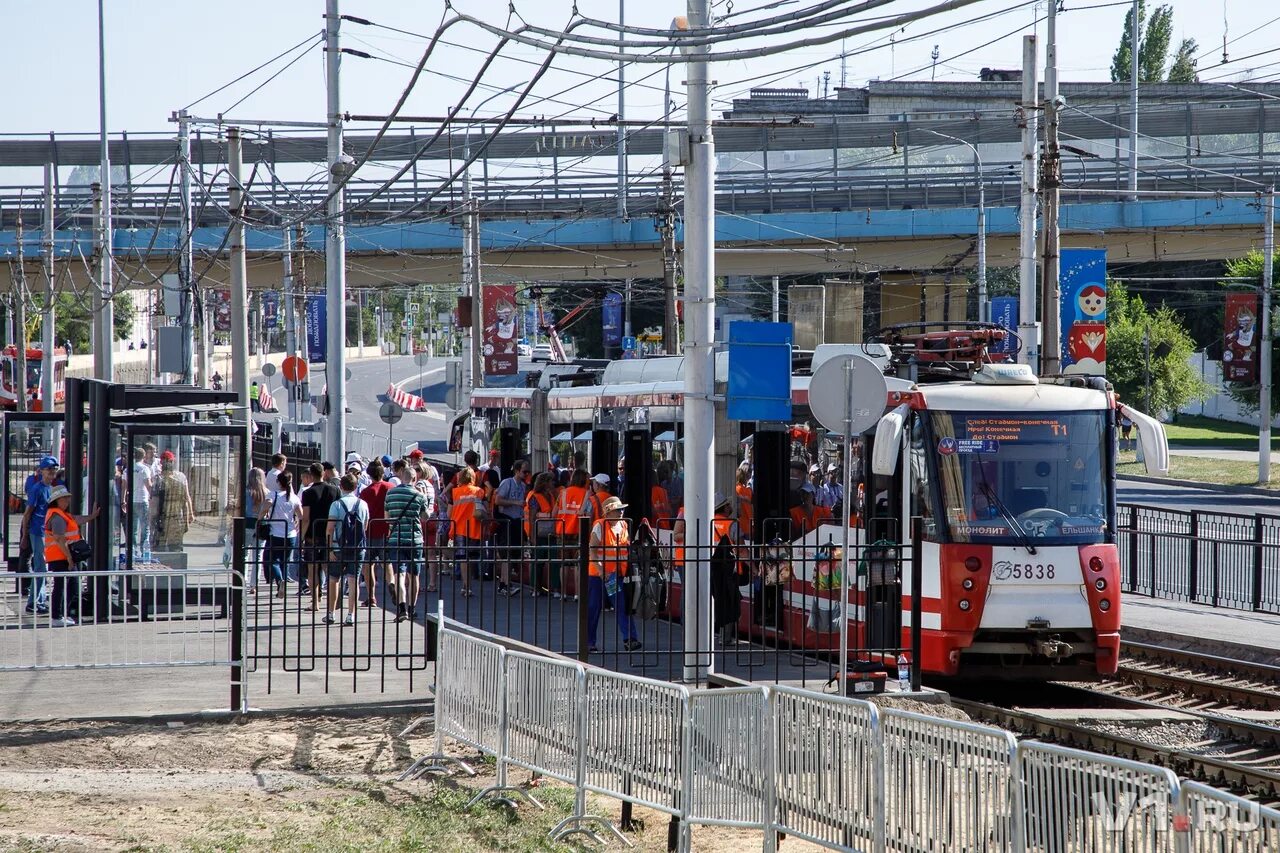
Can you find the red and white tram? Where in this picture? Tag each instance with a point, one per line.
(32, 382)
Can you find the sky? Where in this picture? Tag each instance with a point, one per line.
(164, 55)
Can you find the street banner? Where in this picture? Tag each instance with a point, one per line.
(530, 320)
(222, 310)
(317, 318)
(501, 329)
(611, 320)
(270, 310)
(1082, 284)
(1004, 313)
(1240, 347)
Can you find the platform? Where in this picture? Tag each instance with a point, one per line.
(1238, 634)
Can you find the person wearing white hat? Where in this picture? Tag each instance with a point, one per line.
(831, 492)
(61, 529)
(606, 574)
(600, 493)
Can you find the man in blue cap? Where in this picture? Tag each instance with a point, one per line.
(38, 489)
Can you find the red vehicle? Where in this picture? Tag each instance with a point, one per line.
(33, 381)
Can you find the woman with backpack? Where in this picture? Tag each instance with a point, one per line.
(348, 524)
(278, 523)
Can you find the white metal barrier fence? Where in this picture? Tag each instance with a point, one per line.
(837, 772)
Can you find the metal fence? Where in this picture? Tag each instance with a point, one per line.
(837, 772)
(1214, 558)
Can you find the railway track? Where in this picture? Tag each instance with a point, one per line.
(1190, 680)
(1244, 758)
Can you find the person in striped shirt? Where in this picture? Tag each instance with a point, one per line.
(405, 508)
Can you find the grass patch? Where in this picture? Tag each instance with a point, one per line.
(1225, 472)
(433, 820)
(1197, 431)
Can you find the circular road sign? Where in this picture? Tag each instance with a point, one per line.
(347, 373)
(268, 369)
(421, 359)
(294, 368)
(862, 402)
(391, 413)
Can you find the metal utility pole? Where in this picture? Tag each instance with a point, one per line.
(774, 307)
(335, 249)
(187, 319)
(477, 301)
(104, 321)
(667, 229)
(1134, 44)
(1050, 182)
(1264, 359)
(622, 115)
(290, 333)
(1028, 327)
(626, 322)
(20, 323)
(239, 277)
(47, 386)
(699, 410)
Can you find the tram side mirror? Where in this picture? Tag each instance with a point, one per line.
(888, 442)
(1151, 440)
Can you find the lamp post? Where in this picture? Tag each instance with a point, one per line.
(983, 307)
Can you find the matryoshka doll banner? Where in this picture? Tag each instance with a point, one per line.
(1082, 287)
(501, 330)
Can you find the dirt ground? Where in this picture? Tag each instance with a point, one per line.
(279, 783)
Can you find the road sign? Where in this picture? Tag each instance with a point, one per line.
(268, 369)
(411, 309)
(347, 372)
(293, 368)
(391, 413)
(421, 359)
(862, 400)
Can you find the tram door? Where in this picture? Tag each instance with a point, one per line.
(883, 555)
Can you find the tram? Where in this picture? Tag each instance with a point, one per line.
(35, 371)
(1010, 478)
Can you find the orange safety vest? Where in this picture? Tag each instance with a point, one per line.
(745, 516)
(544, 508)
(569, 507)
(677, 553)
(722, 527)
(661, 505)
(463, 512)
(809, 523)
(614, 546)
(597, 504)
(52, 551)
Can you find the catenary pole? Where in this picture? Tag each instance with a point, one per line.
(335, 249)
(186, 285)
(622, 114)
(47, 378)
(103, 366)
(1264, 358)
(20, 389)
(1135, 40)
(290, 333)
(773, 306)
(239, 277)
(1028, 327)
(699, 408)
(1050, 183)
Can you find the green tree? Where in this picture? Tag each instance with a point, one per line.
(1250, 266)
(73, 319)
(1153, 46)
(1183, 69)
(1173, 382)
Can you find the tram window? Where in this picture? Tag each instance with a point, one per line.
(920, 502)
(6, 372)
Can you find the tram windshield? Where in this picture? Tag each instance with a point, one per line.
(1009, 478)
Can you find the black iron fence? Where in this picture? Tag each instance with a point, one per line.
(318, 614)
(1214, 558)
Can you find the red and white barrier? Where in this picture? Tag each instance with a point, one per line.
(409, 402)
(266, 402)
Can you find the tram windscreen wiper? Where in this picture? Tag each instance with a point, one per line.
(990, 494)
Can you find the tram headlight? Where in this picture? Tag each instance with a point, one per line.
(967, 583)
(964, 605)
(1095, 564)
(1104, 605)
(1099, 584)
(972, 563)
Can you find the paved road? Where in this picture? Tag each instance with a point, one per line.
(1187, 499)
(367, 390)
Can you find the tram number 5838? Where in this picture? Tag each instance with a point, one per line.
(1008, 571)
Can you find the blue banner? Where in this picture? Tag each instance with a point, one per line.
(611, 320)
(1082, 286)
(759, 371)
(270, 310)
(1004, 312)
(317, 328)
